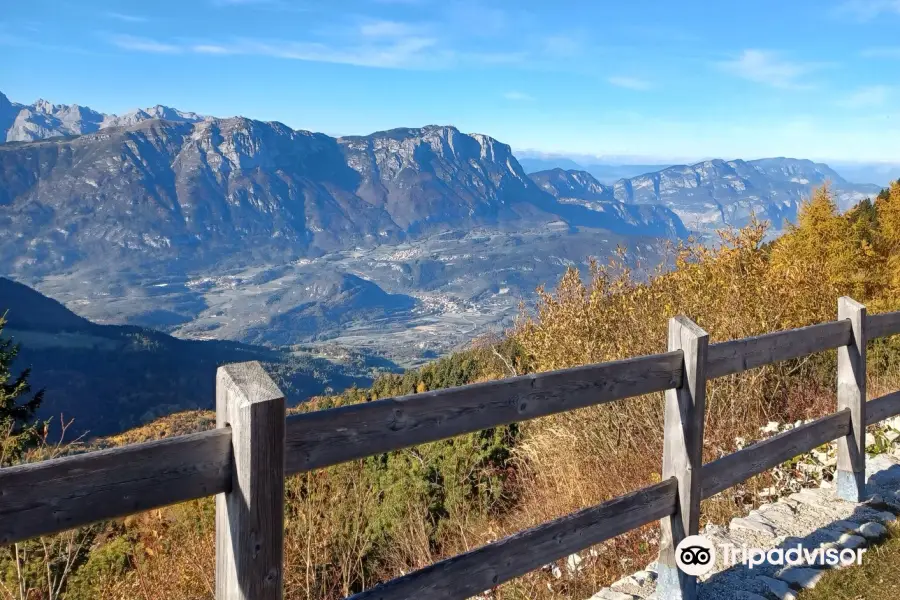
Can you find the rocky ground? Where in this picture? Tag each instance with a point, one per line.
(812, 517)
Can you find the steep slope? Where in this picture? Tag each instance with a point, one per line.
(109, 378)
(578, 190)
(199, 192)
(715, 193)
(436, 176)
(43, 119)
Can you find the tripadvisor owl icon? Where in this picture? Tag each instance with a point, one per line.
(695, 555)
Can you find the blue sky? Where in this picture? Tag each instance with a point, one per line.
(655, 79)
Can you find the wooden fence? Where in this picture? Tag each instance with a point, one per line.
(244, 461)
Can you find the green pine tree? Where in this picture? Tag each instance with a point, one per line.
(18, 428)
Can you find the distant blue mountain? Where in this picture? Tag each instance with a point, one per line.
(878, 173)
(533, 165)
(602, 172)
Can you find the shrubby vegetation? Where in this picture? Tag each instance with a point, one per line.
(350, 526)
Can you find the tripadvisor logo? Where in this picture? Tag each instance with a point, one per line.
(696, 555)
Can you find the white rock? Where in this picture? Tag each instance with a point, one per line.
(643, 577)
(844, 526)
(753, 525)
(848, 540)
(608, 594)
(573, 563)
(872, 530)
(779, 588)
(801, 577)
(884, 517)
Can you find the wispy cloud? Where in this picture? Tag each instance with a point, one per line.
(142, 44)
(518, 96)
(865, 10)
(210, 49)
(661, 33)
(243, 2)
(125, 18)
(377, 43)
(871, 96)
(268, 5)
(630, 83)
(881, 52)
(408, 53)
(399, 54)
(479, 19)
(769, 68)
(563, 45)
(389, 29)
(14, 40)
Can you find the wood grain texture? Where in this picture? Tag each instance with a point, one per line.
(884, 407)
(721, 474)
(55, 495)
(250, 517)
(323, 438)
(471, 573)
(883, 325)
(851, 393)
(685, 410)
(735, 356)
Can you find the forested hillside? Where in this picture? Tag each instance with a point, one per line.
(103, 379)
(352, 525)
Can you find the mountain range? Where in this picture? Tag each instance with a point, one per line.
(714, 193)
(412, 238)
(43, 119)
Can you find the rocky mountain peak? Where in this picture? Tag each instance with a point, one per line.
(44, 119)
(44, 106)
(572, 184)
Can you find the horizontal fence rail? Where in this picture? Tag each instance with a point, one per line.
(882, 408)
(323, 438)
(735, 356)
(50, 496)
(55, 495)
(883, 325)
(721, 474)
(473, 572)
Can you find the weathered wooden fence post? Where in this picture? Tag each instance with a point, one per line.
(850, 479)
(250, 518)
(682, 455)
